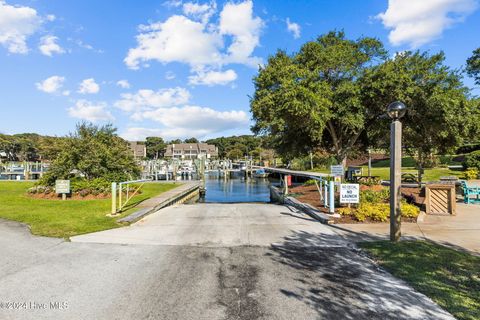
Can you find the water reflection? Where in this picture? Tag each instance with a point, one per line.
(236, 189)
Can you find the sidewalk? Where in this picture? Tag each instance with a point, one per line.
(461, 231)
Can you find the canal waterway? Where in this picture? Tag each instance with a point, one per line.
(236, 189)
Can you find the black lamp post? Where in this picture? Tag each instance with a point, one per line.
(396, 110)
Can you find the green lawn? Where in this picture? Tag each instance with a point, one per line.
(56, 218)
(433, 174)
(449, 277)
(381, 168)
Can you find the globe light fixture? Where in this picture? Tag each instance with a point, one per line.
(396, 110)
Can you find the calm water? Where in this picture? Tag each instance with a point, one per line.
(237, 189)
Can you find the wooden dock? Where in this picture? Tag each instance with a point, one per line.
(306, 174)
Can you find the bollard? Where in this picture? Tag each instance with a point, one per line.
(325, 199)
(114, 197)
(332, 197)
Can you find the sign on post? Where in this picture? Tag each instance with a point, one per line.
(337, 171)
(349, 193)
(63, 187)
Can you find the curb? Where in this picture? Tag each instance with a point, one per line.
(277, 196)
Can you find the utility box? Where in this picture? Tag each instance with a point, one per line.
(440, 199)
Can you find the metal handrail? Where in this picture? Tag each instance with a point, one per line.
(118, 208)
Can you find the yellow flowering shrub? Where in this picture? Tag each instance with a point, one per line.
(379, 211)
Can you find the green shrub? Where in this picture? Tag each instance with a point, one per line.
(374, 211)
(410, 210)
(472, 160)
(98, 185)
(470, 174)
(371, 196)
(379, 211)
(345, 211)
(310, 182)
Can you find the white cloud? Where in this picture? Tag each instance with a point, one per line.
(88, 86)
(236, 19)
(169, 108)
(416, 23)
(202, 12)
(169, 75)
(51, 17)
(84, 45)
(211, 78)
(173, 3)
(90, 111)
(294, 28)
(197, 118)
(17, 23)
(146, 100)
(178, 39)
(188, 121)
(123, 84)
(199, 43)
(49, 46)
(51, 85)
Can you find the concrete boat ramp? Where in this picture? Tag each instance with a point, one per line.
(235, 261)
(185, 191)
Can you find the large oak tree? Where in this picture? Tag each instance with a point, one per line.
(334, 92)
(313, 98)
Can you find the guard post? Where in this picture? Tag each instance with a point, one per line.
(114, 197)
(332, 197)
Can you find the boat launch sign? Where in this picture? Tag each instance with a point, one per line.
(349, 193)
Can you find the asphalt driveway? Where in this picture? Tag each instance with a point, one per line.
(204, 261)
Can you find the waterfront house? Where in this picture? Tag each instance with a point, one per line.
(190, 151)
(139, 149)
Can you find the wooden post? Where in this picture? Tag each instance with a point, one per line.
(285, 185)
(395, 180)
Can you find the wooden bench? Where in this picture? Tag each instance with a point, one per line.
(470, 191)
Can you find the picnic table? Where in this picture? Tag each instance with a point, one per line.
(470, 191)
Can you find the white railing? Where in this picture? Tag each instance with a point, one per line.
(119, 187)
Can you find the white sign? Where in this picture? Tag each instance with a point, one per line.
(349, 193)
(62, 186)
(336, 171)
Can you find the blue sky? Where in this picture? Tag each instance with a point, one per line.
(179, 68)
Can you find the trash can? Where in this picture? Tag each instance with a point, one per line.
(440, 199)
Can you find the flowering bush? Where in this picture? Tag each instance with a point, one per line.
(378, 211)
